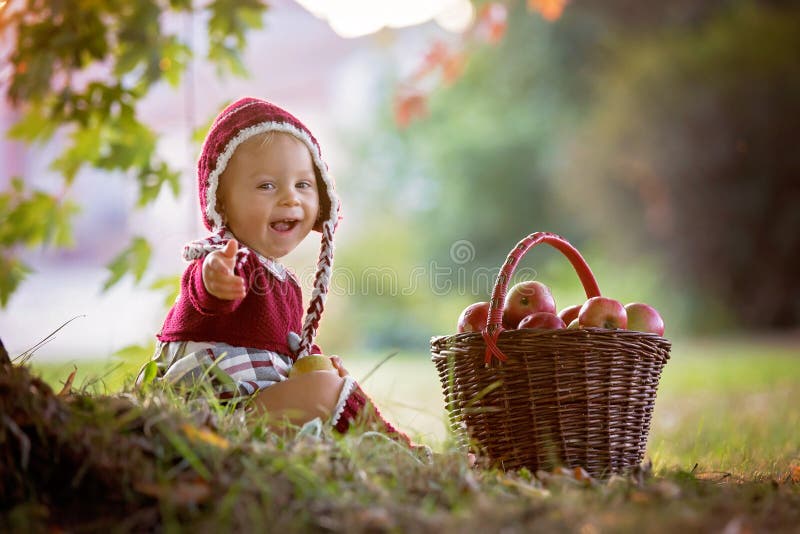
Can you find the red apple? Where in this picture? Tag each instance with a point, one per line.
(570, 313)
(603, 312)
(542, 320)
(524, 299)
(644, 318)
(473, 318)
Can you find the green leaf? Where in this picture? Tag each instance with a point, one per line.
(34, 126)
(133, 259)
(85, 149)
(12, 272)
(227, 26)
(128, 58)
(30, 221)
(181, 5)
(39, 218)
(135, 353)
(130, 144)
(17, 184)
(57, 224)
(228, 59)
(252, 16)
(5, 209)
(150, 182)
(150, 372)
(62, 224)
(171, 285)
(174, 58)
(33, 82)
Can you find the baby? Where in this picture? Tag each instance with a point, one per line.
(263, 188)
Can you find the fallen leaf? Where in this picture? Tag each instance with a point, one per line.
(794, 472)
(579, 473)
(562, 471)
(204, 435)
(68, 384)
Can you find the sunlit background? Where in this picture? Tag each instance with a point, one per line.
(357, 18)
(660, 139)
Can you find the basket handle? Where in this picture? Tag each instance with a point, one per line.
(494, 323)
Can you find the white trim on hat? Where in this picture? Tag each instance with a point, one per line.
(246, 133)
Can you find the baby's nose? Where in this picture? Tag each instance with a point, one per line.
(290, 198)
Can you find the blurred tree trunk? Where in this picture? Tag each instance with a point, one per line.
(693, 142)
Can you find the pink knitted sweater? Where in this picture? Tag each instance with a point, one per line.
(272, 308)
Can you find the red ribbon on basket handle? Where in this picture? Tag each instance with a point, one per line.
(494, 323)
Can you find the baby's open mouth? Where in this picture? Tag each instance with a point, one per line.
(284, 225)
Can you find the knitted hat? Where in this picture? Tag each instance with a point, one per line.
(237, 123)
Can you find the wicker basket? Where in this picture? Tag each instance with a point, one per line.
(542, 398)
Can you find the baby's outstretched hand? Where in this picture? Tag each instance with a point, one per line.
(218, 276)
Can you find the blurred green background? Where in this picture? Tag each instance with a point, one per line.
(659, 139)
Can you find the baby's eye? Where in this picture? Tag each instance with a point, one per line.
(267, 186)
(303, 185)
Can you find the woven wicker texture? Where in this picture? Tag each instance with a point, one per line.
(580, 397)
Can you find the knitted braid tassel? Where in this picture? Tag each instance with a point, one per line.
(320, 291)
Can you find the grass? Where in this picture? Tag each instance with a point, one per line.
(725, 446)
(92, 375)
(729, 406)
(732, 407)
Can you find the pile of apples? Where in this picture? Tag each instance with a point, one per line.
(531, 305)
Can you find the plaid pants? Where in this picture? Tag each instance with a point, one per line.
(244, 371)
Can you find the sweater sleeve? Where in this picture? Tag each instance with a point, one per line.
(204, 302)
